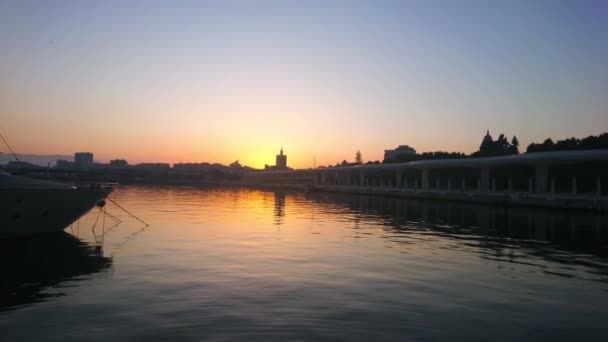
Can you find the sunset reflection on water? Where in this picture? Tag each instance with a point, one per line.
(230, 263)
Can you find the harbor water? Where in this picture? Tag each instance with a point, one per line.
(228, 264)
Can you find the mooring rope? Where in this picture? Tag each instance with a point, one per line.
(9, 147)
(126, 211)
(116, 219)
(96, 219)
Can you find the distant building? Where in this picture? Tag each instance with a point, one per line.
(281, 162)
(401, 153)
(21, 165)
(189, 169)
(156, 167)
(64, 164)
(83, 160)
(119, 163)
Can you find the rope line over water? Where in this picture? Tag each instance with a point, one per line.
(126, 211)
(10, 148)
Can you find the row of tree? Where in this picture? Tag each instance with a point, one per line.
(591, 142)
(502, 147)
(422, 156)
(496, 148)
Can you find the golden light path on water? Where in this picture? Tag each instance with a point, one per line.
(233, 264)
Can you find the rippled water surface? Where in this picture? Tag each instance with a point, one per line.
(237, 264)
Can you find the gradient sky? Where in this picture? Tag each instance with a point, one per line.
(193, 81)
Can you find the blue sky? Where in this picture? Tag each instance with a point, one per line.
(218, 81)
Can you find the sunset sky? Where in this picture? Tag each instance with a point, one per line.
(194, 81)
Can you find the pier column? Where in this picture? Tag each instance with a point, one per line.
(425, 179)
(574, 185)
(598, 187)
(484, 184)
(398, 178)
(540, 178)
(361, 179)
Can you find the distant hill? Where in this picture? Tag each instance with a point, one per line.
(42, 160)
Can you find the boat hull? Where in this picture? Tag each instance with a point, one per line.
(27, 212)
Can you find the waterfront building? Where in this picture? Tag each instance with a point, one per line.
(63, 164)
(119, 163)
(401, 153)
(562, 179)
(21, 165)
(190, 169)
(83, 160)
(155, 167)
(280, 163)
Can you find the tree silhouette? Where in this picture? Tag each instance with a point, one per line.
(358, 157)
(589, 143)
(498, 147)
(515, 142)
(514, 145)
(487, 147)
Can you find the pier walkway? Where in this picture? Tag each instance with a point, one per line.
(565, 179)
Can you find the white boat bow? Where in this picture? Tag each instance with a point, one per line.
(32, 206)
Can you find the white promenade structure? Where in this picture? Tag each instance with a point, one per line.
(564, 179)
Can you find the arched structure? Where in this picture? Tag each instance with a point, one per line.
(577, 179)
